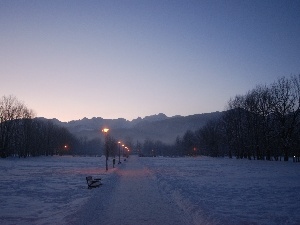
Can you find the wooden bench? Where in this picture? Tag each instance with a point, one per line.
(93, 183)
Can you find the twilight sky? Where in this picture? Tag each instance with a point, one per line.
(129, 58)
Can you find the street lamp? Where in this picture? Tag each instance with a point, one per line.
(119, 142)
(105, 131)
(123, 149)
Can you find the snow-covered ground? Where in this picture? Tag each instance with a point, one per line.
(231, 191)
(53, 190)
(45, 190)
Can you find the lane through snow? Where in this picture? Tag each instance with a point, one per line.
(132, 196)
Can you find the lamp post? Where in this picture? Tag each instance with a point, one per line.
(119, 142)
(105, 131)
(123, 149)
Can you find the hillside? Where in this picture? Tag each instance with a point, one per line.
(155, 127)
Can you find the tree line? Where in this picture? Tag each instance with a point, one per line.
(263, 124)
(23, 135)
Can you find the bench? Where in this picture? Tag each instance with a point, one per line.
(93, 183)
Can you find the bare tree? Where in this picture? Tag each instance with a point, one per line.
(285, 109)
(189, 142)
(236, 117)
(11, 112)
(211, 138)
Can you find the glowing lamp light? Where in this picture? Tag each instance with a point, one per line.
(105, 130)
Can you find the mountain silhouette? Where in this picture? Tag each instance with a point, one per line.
(155, 127)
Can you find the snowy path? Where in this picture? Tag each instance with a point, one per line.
(131, 197)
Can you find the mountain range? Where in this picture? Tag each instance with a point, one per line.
(155, 127)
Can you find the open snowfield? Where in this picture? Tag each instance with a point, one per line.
(44, 190)
(231, 191)
(201, 190)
